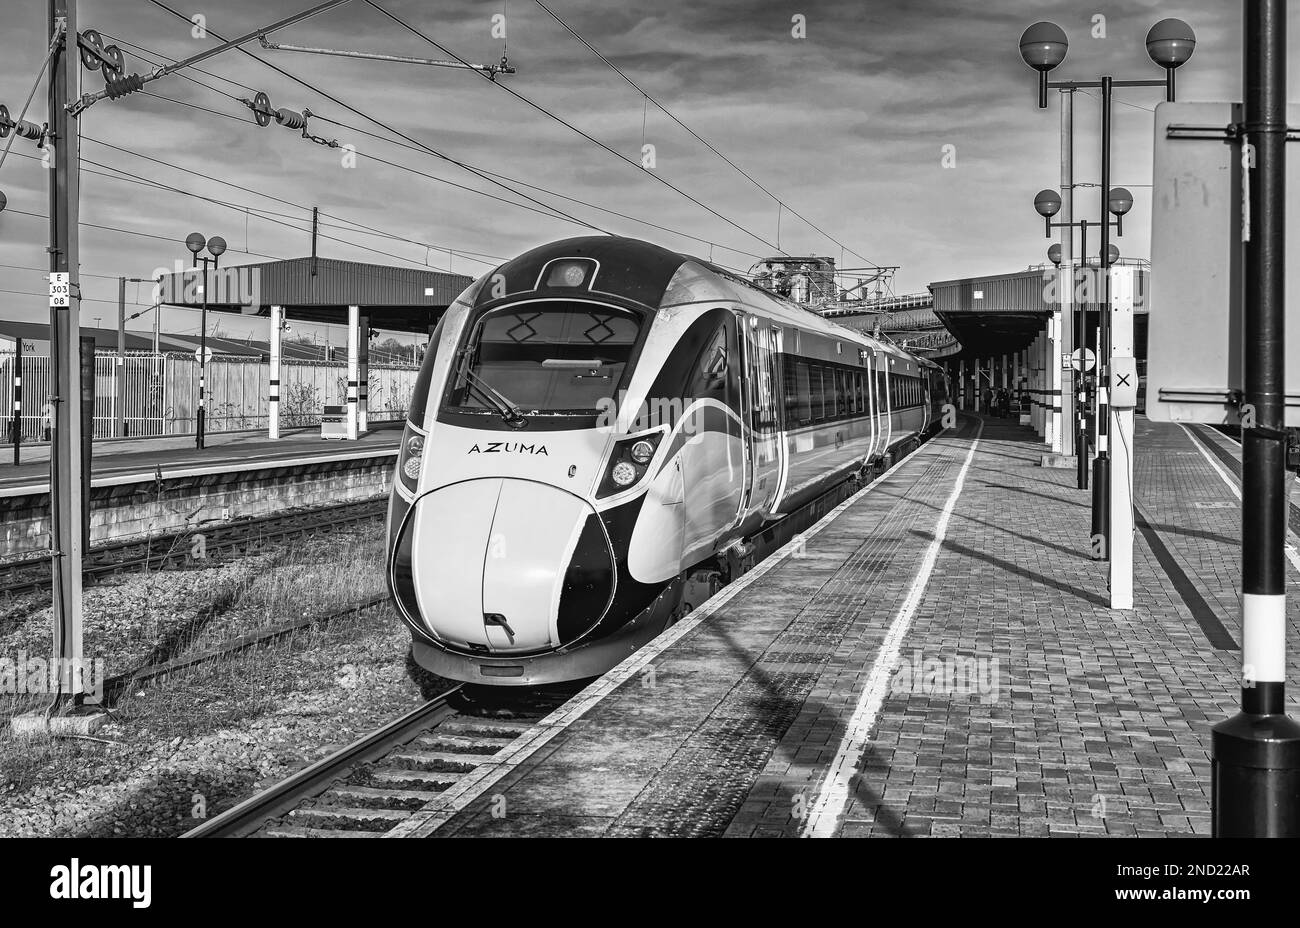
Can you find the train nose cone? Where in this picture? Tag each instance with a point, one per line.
(508, 566)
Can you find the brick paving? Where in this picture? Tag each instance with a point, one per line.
(1091, 722)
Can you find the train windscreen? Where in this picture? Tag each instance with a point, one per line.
(558, 358)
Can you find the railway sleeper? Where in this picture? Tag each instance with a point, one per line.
(457, 762)
(370, 797)
(348, 819)
(463, 744)
(401, 777)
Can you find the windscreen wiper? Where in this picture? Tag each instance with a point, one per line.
(507, 410)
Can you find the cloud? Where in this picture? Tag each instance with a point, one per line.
(847, 126)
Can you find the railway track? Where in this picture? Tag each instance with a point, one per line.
(371, 786)
(113, 686)
(33, 574)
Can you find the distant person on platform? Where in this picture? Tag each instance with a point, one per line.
(988, 401)
(47, 418)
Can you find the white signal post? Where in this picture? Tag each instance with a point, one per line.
(1122, 391)
(277, 332)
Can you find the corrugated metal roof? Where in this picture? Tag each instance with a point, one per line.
(336, 283)
(1022, 292)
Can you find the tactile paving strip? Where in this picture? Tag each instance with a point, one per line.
(699, 792)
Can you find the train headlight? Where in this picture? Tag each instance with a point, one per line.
(411, 457)
(643, 451)
(629, 463)
(624, 474)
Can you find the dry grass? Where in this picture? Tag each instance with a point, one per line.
(216, 729)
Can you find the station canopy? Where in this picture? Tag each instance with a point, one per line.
(992, 315)
(395, 299)
(1002, 314)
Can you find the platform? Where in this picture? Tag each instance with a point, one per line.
(936, 658)
(128, 460)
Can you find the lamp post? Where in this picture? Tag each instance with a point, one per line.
(216, 246)
(1043, 46)
(1255, 779)
(1047, 204)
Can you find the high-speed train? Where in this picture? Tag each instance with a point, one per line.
(600, 422)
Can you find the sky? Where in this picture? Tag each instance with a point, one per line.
(907, 133)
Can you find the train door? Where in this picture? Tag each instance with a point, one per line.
(776, 379)
(767, 453)
(887, 402)
(873, 403)
(927, 411)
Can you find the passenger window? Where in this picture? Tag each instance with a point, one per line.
(803, 403)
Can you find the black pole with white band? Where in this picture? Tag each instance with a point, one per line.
(1256, 753)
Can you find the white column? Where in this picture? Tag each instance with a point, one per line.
(363, 390)
(1121, 450)
(961, 383)
(1054, 381)
(353, 327)
(273, 411)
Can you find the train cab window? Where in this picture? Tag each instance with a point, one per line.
(709, 378)
(859, 395)
(841, 394)
(832, 393)
(424, 380)
(546, 357)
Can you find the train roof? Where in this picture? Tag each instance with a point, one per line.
(645, 273)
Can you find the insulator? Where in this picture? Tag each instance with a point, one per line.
(123, 86)
(28, 130)
(290, 119)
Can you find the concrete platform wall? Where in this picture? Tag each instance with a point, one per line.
(160, 507)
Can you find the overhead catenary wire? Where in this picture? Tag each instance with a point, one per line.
(695, 135)
(379, 122)
(54, 43)
(423, 149)
(564, 122)
(473, 255)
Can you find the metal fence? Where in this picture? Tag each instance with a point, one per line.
(161, 393)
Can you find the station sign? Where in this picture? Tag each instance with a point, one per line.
(1195, 347)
